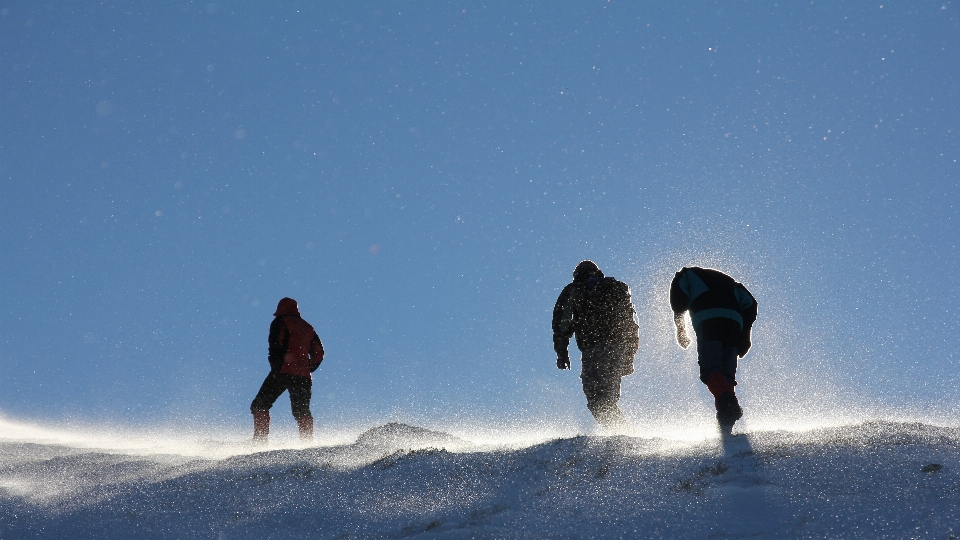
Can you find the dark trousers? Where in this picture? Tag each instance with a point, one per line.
(717, 353)
(275, 384)
(603, 393)
(601, 385)
(713, 356)
(717, 348)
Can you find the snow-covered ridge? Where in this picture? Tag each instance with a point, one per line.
(869, 480)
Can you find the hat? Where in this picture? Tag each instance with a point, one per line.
(287, 306)
(585, 270)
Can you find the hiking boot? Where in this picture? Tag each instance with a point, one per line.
(728, 411)
(305, 423)
(261, 427)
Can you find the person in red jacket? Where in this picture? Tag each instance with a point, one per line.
(295, 352)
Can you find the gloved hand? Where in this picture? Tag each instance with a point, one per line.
(563, 361)
(682, 338)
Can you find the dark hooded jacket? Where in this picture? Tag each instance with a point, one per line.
(295, 348)
(711, 294)
(598, 310)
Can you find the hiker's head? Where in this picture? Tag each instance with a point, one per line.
(287, 306)
(586, 270)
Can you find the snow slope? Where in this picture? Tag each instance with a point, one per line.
(870, 480)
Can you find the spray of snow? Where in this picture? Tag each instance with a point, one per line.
(398, 480)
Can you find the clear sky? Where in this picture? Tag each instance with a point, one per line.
(423, 177)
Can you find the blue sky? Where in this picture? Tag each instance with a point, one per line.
(424, 178)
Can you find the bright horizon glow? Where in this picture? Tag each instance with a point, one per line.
(199, 443)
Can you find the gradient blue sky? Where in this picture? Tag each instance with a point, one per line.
(423, 177)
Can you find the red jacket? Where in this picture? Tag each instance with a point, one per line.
(295, 347)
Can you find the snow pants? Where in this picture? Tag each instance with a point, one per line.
(717, 348)
(601, 374)
(717, 356)
(275, 384)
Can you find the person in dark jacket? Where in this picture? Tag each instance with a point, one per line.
(598, 310)
(723, 312)
(295, 352)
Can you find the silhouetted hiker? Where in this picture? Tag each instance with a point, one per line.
(599, 311)
(295, 352)
(723, 312)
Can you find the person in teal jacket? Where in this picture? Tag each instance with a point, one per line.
(723, 312)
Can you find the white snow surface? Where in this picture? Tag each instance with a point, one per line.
(875, 479)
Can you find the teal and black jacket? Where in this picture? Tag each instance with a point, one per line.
(710, 294)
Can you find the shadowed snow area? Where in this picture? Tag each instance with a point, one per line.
(869, 480)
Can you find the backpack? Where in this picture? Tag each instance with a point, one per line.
(605, 306)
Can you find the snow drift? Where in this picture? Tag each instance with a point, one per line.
(869, 480)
